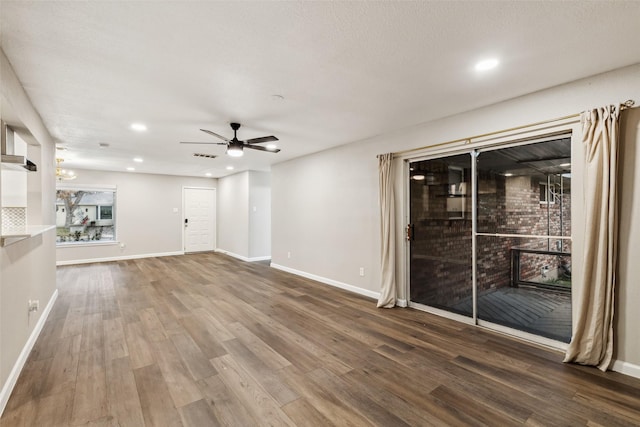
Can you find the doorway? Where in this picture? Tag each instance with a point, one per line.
(199, 219)
(491, 237)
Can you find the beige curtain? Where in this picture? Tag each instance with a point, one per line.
(387, 233)
(592, 341)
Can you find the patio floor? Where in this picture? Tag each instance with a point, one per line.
(538, 311)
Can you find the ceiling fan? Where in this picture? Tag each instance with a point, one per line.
(235, 147)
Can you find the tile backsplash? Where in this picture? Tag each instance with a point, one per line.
(14, 217)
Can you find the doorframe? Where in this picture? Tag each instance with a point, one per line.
(477, 144)
(184, 216)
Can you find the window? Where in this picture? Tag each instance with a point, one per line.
(547, 193)
(105, 212)
(85, 215)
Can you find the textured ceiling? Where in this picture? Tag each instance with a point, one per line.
(347, 70)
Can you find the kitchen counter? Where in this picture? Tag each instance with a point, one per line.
(12, 235)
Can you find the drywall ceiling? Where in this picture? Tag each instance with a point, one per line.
(347, 70)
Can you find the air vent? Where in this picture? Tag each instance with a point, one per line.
(207, 156)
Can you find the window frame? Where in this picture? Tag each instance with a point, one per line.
(90, 188)
(547, 192)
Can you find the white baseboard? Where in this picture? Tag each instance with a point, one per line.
(341, 285)
(118, 258)
(260, 258)
(244, 258)
(7, 388)
(626, 368)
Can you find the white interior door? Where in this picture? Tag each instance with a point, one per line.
(199, 219)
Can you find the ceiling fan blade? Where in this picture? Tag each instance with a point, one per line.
(204, 143)
(261, 139)
(214, 134)
(257, 147)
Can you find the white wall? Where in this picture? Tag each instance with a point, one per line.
(259, 214)
(627, 314)
(233, 214)
(145, 219)
(325, 206)
(27, 268)
(14, 182)
(325, 215)
(244, 212)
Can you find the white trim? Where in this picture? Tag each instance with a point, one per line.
(341, 285)
(260, 258)
(62, 245)
(626, 368)
(24, 354)
(525, 336)
(87, 187)
(117, 258)
(442, 313)
(242, 257)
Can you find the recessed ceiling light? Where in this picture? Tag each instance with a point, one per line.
(138, 159)
(277, 97)
(130, 169)
(61, 148)
(229, 168)
(508, 174)
(103, 145)
(208, 174)
(138, 127)
(565, 165)
(487, 64)
(418, 177)
(271, 146)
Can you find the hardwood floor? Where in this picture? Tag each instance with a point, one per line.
(207, 340)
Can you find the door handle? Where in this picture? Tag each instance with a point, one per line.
(186, 222)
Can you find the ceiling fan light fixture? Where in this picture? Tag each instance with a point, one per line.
(235, 151)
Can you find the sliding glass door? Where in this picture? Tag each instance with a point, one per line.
(440, 233)
(495, 248)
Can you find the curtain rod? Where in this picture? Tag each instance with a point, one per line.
(623, 106)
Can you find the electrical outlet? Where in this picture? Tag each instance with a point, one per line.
(288, 254)
(362, 271)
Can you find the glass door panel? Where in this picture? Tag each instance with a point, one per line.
(523, 241)
(524, 286)
(440, 250)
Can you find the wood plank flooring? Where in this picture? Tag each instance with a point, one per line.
(207, 340)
